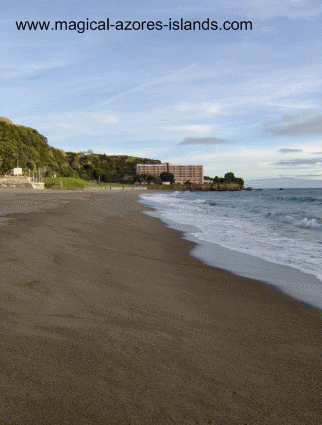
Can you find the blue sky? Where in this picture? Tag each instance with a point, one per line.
(242, 101)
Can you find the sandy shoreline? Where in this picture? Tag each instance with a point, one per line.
(105, 318)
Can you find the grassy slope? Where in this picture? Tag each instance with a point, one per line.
(31, 147)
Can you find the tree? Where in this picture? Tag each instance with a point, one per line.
(97, 174)
(66, 172)
(150, 178)
(88, 167)
(104, 178)
(157, 180)
(230, 177)
(140, 178)
(167, 177)
(8, 155)
(188, 184)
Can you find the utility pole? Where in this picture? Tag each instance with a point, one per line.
(17, 160)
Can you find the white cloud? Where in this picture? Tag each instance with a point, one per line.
(109, 119)
(269, 30)
(13, 69)
(203, 108)
(184, 107)
(153, 153)
(309, 104)
(160, 80)
(76, 129)
(198, 129)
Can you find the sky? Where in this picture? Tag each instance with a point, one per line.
(246, 101)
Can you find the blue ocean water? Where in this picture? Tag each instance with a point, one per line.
(273, 235)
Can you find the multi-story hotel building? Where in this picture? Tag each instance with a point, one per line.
(182, 173)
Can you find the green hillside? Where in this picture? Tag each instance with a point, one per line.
(104, 168)
(32, 148)
(35, 153)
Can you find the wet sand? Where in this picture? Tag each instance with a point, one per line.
(106, 319)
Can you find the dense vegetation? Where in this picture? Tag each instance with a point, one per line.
(31, 147)
(229, 178)
(34, 153)
(103, 168)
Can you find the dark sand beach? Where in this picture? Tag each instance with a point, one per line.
(107, 319)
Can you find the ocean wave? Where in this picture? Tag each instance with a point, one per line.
(305, 222)
(286, 233)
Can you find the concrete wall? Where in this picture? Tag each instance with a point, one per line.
(38, 185)
(15, 182)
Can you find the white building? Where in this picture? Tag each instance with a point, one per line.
(16, 172)
(182, 173)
